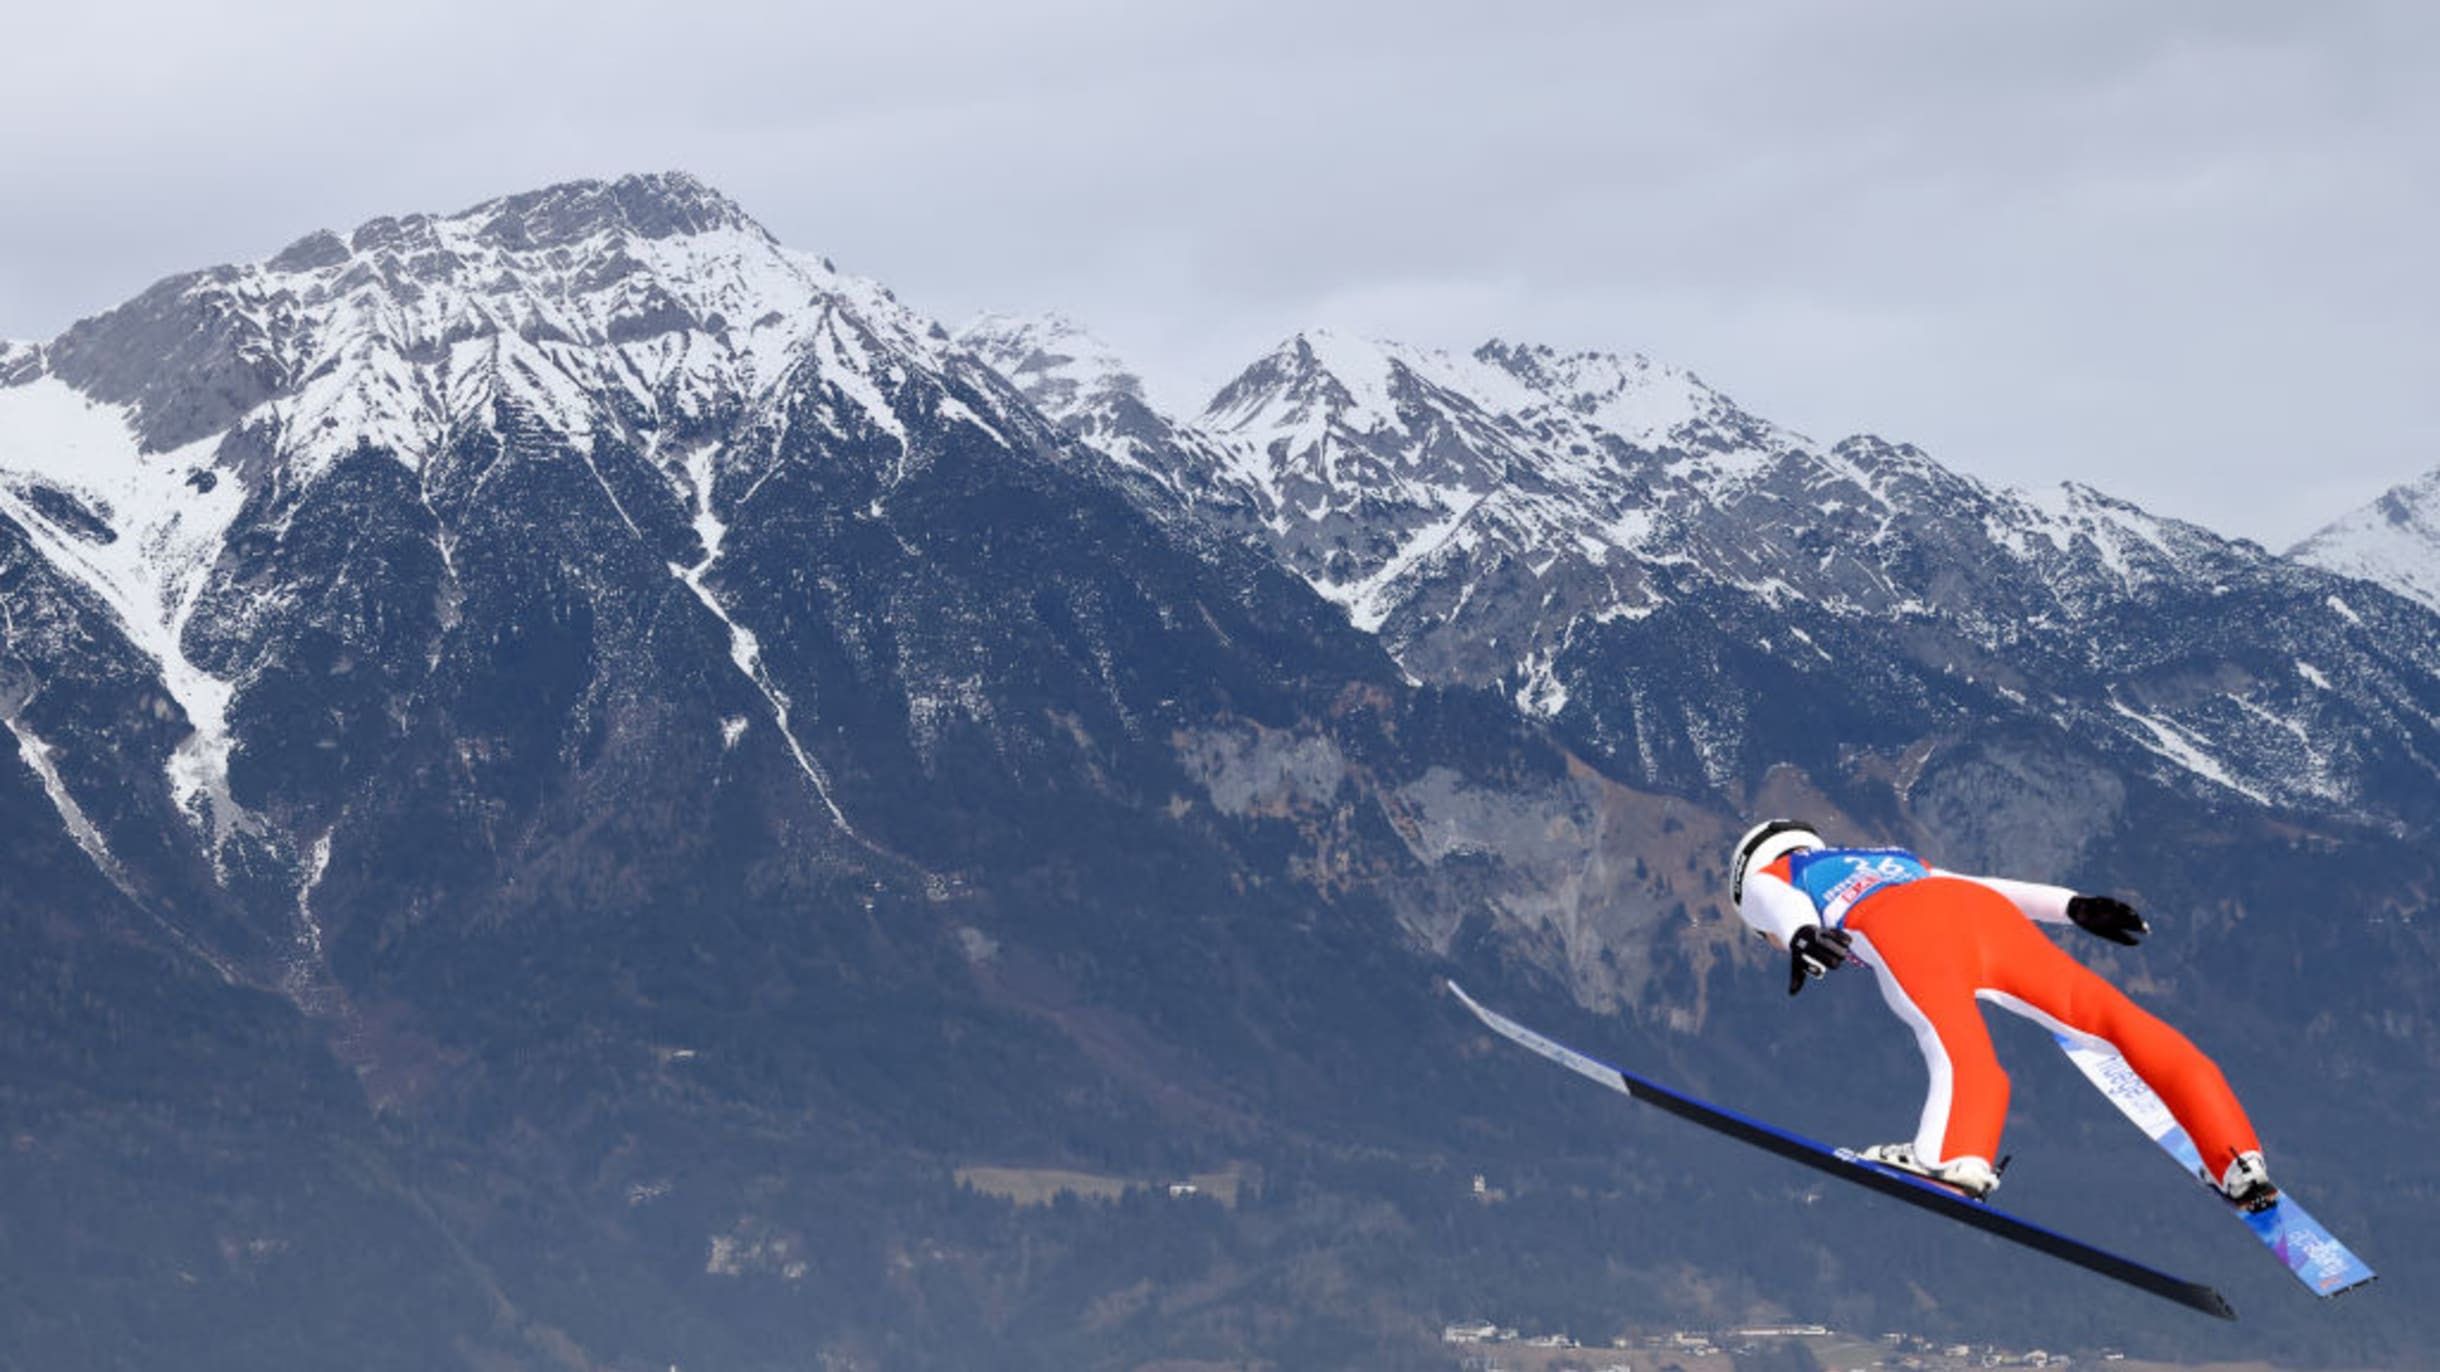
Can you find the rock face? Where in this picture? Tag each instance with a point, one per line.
(580, 774)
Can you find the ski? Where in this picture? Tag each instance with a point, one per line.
(1846, 1165)
(2302, 1245)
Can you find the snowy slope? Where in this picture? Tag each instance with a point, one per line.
(1085, 388)
(1064, 371)
(141, 531)
(2394, 541)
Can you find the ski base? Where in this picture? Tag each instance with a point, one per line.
(2294, 1237)
(1847, 1165)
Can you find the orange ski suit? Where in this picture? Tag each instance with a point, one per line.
(1940, 943)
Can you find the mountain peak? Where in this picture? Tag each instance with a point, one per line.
(646, 207)
(651, 205)
(1327, 378)
(1551, 366)
(2394, 541)
(655, 288)
(1356, 382)
(1054, 361)
(1646, 403)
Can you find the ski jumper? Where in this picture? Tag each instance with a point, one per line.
(1940, 944)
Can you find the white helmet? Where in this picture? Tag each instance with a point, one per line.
(1765, 844)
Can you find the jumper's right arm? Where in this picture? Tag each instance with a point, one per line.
(1776, 909)
(1786, 915)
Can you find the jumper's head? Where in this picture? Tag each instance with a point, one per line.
(1765, 844)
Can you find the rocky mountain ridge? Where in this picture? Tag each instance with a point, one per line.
(1536, 521)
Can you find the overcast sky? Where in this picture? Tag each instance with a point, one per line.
(2180, 251)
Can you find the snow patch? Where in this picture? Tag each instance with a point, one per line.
(745, 650)
(1370, 599)
(306, 979)
(2173, 742)
(1364, 369)
(38, 755)
(169, 531)
(1542, 695)
(838, 360)
(1630, 613)
(1807, 639)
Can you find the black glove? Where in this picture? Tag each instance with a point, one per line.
(2108, 917)
(1813, 951)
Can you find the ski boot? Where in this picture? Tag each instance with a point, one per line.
(1971, 1175)
(2247, 1183)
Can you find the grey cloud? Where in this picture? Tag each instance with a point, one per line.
(2174, 250)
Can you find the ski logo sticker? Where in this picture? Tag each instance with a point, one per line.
(2315, 1257)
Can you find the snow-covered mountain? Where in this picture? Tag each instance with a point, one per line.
(1550, 522)
(2394, 541)
(167, 457)
(659, 716)
(578, 773)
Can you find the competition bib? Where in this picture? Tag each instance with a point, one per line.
(1836, 878)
